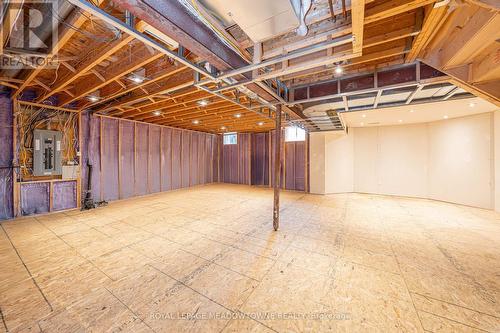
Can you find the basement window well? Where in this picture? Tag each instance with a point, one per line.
(230, 138)
(294, 133)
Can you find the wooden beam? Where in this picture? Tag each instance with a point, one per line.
(487, 4)
(277, 170)
(391, 8)
(160, 76)
(45, 106)
(358, 16)
(88, 65)
(7, 84)
(75, 21)
(432, 23)
(482, 28)
(113, 74)
(487, 67)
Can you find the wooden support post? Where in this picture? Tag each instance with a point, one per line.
(277, 170)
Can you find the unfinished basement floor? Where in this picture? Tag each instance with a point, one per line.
(206, 259)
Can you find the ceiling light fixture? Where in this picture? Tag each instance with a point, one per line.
(400, 120)
(196, 121)
(238, 115)
(471, 105)
(157, 113)
(260, 123)
(445, 117)
(139, 76)
(203, 102)
(137, 79)
(223, 128)
(93, 98)
(364, 115)
(338, 70)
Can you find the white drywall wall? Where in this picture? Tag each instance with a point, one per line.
(460, 160)
(450, 160)
(317, 163)
(339, 162)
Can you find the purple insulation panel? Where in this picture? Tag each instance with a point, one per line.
(35, 198)
(260, 159)
(94, 153)
(208, 159)
(64, 195)
(141, 158)
(85, 126)
(244, 158)
(109, 156)
(290, 165)
(127, 159)
(218, 175)
(202, 158)
(166, 159)
(6, 157)
(186, 142)
(226, 162)
(154, 159)
(233, 164)
(300, 166)
(228, 167)
(194, 159)
(176, 159)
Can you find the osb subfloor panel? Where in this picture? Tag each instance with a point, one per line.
(206, 260)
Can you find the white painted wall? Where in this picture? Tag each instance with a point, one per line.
(496, 160)
(460, 160)
(317, 163)
(339, 163)
(450, 160)
(391, 160)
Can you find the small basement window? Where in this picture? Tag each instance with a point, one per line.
(294, 133)
(230, 138)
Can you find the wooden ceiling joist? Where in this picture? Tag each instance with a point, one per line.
(88, 65)
(75, 21)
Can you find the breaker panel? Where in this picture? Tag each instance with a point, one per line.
(47, 153)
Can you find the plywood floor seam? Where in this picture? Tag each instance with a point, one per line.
(206, 260)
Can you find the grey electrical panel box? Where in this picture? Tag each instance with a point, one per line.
(47, 153)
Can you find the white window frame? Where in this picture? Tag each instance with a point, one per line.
(294, 134)
(228, 142)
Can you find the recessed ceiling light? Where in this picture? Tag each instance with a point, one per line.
(157, 113)
(196, 121)
(445, 117)
(203, 102)
(238, 115)
(93, 98)
(260, 123)
(338, 69)
(471, 105)
(138, 76)
(137, 79)
(223, 127)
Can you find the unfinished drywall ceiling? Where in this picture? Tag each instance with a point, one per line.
(421, 113)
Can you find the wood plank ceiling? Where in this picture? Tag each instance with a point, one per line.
(99, 64)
